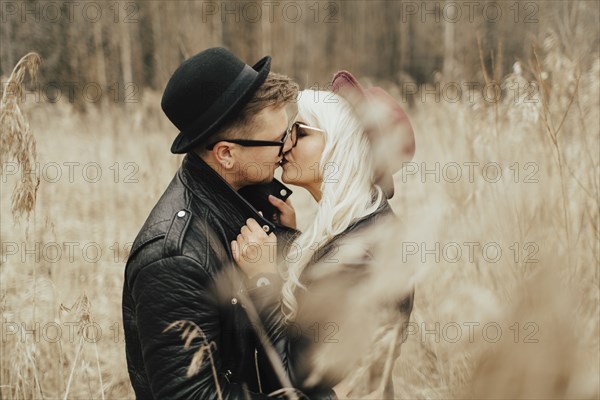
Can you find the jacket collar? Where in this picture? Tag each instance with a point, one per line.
(206, 184)
(382, 211)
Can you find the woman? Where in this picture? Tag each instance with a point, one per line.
(332, 158)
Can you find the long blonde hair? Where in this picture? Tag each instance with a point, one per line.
(348, 189)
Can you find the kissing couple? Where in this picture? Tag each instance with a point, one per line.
(223, 297)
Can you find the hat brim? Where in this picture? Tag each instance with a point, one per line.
(189, 138)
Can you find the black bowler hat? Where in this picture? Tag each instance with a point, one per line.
(206, 91)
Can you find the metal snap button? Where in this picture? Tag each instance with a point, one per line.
(234, 301)
(266, 228)
(263, 282)
(283, 192)
(181, 214)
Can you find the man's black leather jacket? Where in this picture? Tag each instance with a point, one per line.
(180, 269)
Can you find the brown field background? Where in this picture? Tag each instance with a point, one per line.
(553, 352)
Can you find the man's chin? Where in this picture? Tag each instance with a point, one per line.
(285, 178)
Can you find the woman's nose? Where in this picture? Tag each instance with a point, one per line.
(288, 145)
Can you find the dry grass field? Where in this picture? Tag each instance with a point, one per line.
(507, 305)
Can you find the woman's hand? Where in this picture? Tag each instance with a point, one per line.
(255, 251)
(287, 212)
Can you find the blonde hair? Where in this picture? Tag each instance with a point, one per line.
(277, 90)
(348, 189)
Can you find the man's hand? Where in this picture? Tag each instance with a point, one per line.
(255, 251)
(288, 214)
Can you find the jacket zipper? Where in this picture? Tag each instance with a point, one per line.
(257, 371)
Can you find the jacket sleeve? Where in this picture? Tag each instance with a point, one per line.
(178, 289)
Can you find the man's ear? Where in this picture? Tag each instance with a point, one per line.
(224, 155)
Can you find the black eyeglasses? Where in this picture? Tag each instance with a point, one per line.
(298, 130)
(256, 143)
(291, 133)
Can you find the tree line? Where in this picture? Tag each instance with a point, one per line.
(126, 47)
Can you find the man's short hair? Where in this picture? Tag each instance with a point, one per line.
(277, 90)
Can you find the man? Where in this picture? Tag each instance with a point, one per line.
(234, 128)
